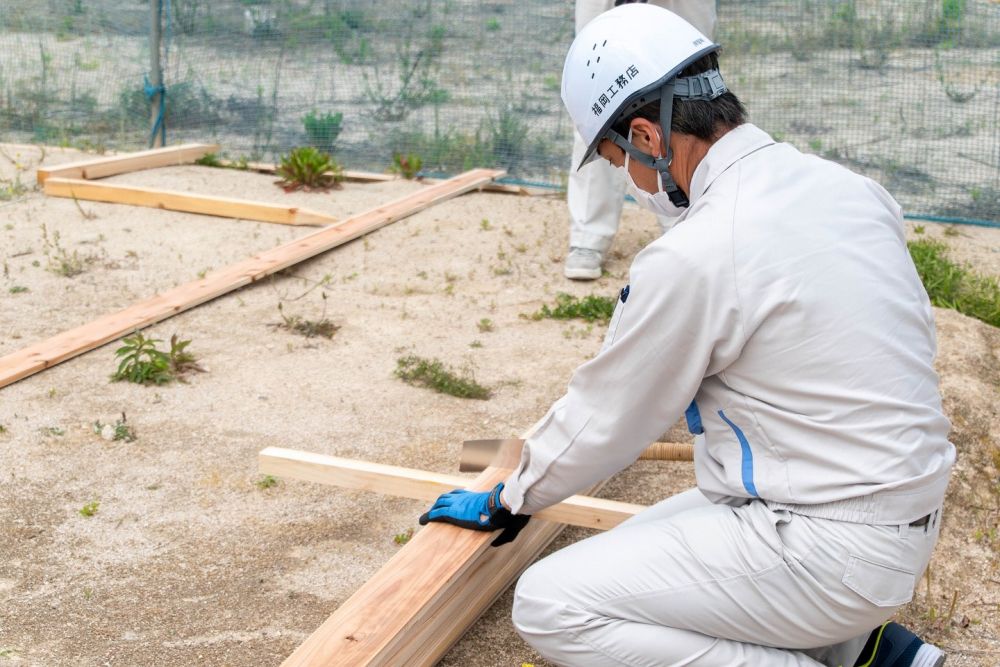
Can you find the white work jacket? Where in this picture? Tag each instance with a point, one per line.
(784, 317)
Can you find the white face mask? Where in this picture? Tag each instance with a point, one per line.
(658, 202)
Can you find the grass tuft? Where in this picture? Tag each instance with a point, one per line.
(266, 482)
(950, 285)
(433, 374)
(590, 308)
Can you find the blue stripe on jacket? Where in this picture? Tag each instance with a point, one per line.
(747, 467)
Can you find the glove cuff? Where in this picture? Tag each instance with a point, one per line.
(500, 517)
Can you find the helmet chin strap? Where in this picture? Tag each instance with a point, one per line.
(660, 164)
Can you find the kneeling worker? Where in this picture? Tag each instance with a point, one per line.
(783, 317)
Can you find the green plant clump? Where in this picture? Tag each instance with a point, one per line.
(142, 363)
(433, 374)
(266, 482)
(590, 308)
(322, 130)
(90, 509)
(309, 169)
(950, 285)
(408, 166)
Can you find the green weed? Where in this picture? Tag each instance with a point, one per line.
(266, 482)
(404, 537)
(309, 169)
(309, 328)
(210, 160)
(950, 285)
(53, 431)
(433, 374)
(90, 509)
(120, 430)
(12, 188)
(408, 166)
(61, 262)
(485, 225)
(486, 325)
(322, 130)
(141, 362)
(220, 162)
(590, 308)
(18, 289)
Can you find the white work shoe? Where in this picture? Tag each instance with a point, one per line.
(583, 264)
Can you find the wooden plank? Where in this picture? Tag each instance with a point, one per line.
(126, 162)
(187, 202)
(375, 177)
(349, 175)
(584, 511)
(68, 344)
(426, 596)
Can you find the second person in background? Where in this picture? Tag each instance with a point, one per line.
(596, 193)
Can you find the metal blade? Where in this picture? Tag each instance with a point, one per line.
(478, 455)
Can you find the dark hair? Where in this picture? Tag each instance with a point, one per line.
(705, 119)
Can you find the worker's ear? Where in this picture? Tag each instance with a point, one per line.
(646, 136)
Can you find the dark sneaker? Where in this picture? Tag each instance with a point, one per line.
(892, 645)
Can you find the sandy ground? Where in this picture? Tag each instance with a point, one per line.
(188, 561)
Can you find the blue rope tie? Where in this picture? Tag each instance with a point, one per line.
(158, 127)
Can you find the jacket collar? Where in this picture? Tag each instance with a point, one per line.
(734, 145)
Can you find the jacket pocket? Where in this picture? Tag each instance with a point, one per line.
(881, 585)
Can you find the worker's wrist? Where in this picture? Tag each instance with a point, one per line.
(503, 501)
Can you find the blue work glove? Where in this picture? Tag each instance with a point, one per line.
(478, 511)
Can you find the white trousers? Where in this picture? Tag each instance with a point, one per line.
(595, 194)
(688, 582)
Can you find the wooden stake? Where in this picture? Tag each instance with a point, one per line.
(127, 162)
(170, 200)
(68, 344)
(584, 511)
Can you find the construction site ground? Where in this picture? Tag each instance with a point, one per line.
(190, 557)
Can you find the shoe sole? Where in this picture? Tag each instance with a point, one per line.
(582, 274)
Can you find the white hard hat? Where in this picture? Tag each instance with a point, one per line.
(622, 58)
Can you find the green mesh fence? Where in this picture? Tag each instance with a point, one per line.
(907, 91)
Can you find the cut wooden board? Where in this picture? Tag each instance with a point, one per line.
(126, 162)
(187, 202)
(584, 511)
(68, 344)
(424, 599)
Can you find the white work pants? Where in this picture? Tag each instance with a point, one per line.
(687, 582)
(595, 193)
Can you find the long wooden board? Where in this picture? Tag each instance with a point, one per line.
(68, 344)
(111, 165)
(187, 202)
(426, 596)
(375, 177)
(584, 511)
